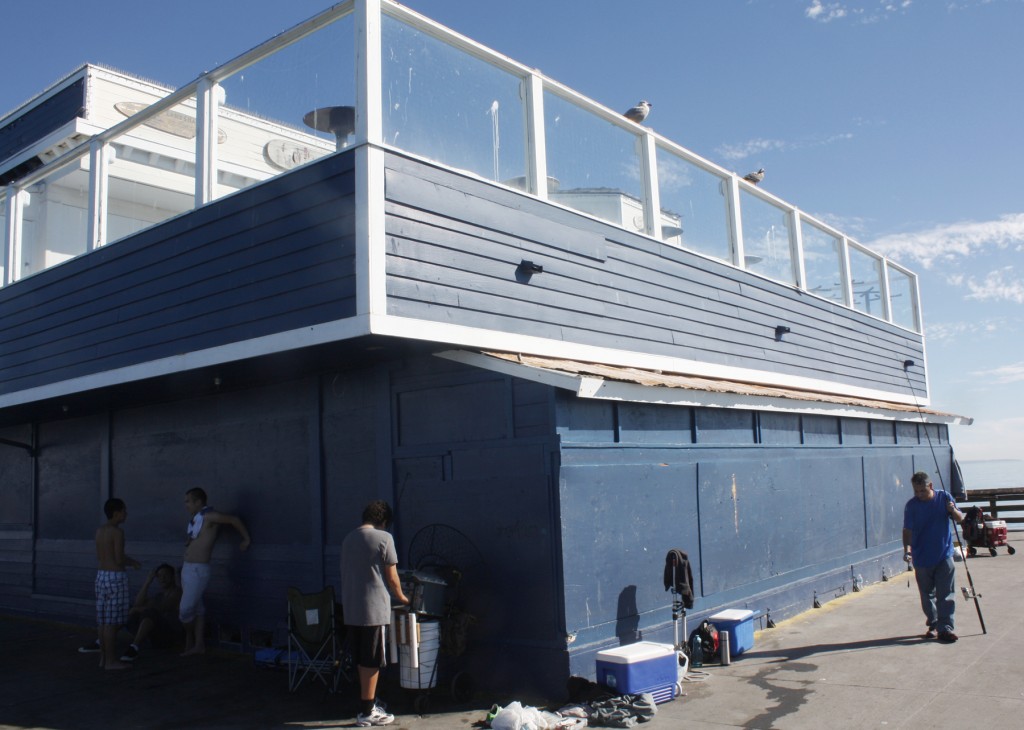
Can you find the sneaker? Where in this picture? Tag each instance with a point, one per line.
(947, 637)
(90, 648)
(931, 634)
(130, 653)
(377, 717)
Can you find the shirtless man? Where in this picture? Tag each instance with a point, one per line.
(112, 597)
(195, 572)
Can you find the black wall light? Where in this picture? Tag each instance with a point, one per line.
(781, 330)
(526, 269)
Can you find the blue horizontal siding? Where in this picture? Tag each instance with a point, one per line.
(273, 258)
(454, 244)
(44, 118)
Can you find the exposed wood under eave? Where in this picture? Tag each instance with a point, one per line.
(595, 380)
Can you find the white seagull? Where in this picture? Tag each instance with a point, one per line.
(639, 112)
(754, 177)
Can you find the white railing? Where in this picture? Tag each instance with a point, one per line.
(419, 87)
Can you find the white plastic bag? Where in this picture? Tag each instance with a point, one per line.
(517, 717)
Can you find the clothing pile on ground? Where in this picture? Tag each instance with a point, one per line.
(590, 705)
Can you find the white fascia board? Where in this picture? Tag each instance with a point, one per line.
(589, 386)
(480, 339)
(319, 334)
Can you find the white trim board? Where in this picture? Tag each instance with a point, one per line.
(319, 334)
(481, 339)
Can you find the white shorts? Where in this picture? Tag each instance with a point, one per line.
(194, 579)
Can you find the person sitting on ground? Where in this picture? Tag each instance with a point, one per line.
(155, 615)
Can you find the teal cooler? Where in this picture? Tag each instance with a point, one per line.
(739, 624)
(641, 667)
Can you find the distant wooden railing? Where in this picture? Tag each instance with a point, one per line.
(998, 502)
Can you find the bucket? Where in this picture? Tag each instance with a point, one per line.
(425, 675)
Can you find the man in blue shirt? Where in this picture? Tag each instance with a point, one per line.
(928, 543)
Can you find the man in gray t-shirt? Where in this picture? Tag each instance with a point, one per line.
(369, 570)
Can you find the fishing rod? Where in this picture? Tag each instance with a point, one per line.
(907, 364)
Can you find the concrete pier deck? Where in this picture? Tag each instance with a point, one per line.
(858, 662)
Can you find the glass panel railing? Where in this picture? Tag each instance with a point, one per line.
(593, 165)
(452, 102)
(695, 206)
(866, 277)
(823, 262)
(901, 298)
(767, 247)
(152, 171)
(55, 221)
(450, 106)
(287, 109)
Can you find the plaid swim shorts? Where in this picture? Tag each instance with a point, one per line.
(112, 598)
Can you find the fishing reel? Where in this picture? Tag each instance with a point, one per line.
(969, 594)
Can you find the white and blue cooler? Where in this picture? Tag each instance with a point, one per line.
(739, 623)
(641, 667)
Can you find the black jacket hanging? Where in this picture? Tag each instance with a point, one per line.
(679, 576)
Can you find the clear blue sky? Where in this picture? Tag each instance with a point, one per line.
(898, 121)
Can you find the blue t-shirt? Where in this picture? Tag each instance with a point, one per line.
(931, 541)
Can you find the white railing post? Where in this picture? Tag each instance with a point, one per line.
(13, 247)
(98, 190)
(844, 246)
(208, 100)
(369, 112)
(652, 192)
(736, 222)
(10, 233)
(536, 140)
(915, 295)
(886, 303)
(371, 294)
(797, 243)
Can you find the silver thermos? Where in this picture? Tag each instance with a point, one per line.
(723, 646)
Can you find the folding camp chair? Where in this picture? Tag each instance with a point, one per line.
(312, 638)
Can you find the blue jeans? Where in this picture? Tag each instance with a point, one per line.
(935, 584)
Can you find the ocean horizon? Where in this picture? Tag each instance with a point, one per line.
(994, 474)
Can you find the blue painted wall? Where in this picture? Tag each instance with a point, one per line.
(773, 510)
(557, 510)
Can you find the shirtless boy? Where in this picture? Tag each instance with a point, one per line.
(112, 597)
(195, 572)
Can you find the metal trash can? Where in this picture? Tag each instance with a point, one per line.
(427, 589)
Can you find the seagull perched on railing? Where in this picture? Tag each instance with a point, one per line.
(639, 112)
(754, 177)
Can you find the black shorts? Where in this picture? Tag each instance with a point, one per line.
(368, 646)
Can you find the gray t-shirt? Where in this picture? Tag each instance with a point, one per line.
(365, 552)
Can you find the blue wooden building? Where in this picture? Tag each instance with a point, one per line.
(559, 343)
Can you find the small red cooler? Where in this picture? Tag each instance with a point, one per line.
(995, 532)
